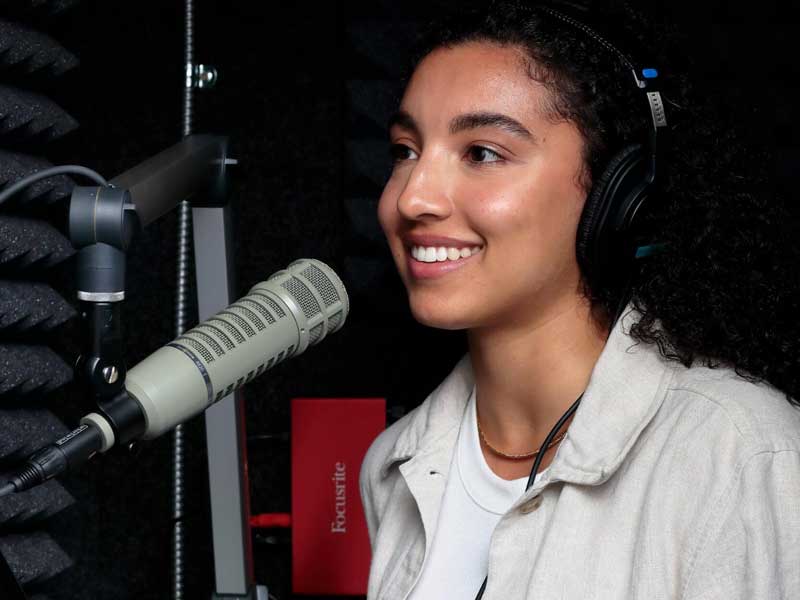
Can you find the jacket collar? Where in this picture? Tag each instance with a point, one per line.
(625, 390)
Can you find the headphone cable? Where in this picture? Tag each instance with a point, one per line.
(564, 418)
(536, 463)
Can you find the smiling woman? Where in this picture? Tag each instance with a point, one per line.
(484, 180)
(524, 161)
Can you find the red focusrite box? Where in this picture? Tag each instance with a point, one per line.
(330, 545)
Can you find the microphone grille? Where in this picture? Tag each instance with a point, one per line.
(315, 295)
(310, 280)
(324, 285)
(301, 293)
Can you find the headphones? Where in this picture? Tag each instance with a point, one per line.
(605, 243)
(605, 246)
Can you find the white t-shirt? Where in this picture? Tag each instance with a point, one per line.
(474, 500)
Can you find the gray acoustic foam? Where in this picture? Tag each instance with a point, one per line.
(34, 557)
(25, 430)
(15, 166)
(31, 306)
(28, 117)
(23, 50)
(28, 247)
(27, 243)
(20, 512)
(27, 369)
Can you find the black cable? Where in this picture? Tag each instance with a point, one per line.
(624, 298)
(536, 463)
(69, 452)
(50, 172)
(553, 433)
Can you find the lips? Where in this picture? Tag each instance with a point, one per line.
(431, 270)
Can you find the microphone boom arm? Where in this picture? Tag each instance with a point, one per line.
(159, 184)
(103, 221)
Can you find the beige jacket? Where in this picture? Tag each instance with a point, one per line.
(672, 483)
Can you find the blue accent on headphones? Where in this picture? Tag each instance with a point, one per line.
(650, 73)
(649, 250)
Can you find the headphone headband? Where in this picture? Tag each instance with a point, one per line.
(646, 79)
(604, 243)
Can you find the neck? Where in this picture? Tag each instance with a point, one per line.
(528, 374)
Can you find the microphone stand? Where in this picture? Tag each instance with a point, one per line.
(103, 223)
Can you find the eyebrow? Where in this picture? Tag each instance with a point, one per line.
(489, 119)
(467, 121)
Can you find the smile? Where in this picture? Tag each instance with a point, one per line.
(440, 262)
(440, 254)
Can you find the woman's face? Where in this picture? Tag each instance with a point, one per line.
(480, 164)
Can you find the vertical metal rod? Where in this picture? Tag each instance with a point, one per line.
(225, 421)
(181, 319)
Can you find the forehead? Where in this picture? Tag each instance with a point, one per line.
(474, 77)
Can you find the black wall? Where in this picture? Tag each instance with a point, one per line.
(303, 90)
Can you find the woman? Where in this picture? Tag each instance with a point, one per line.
(678, 476)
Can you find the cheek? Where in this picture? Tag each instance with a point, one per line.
(533, 216)
(515, 209)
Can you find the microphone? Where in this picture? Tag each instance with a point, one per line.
(278, 318)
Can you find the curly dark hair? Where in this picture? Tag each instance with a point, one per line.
(724, 291)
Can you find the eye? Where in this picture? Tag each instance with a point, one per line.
(482, 154)
(401, 152)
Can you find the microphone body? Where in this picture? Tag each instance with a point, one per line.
(278, 318)
(295, 308)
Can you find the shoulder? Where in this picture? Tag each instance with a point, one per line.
(713, 432)
(744, 449)
(756, 415)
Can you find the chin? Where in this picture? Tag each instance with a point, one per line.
(441, 316)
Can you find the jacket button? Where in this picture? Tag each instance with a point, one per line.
(531, 505)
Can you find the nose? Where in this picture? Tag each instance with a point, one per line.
(425, 195)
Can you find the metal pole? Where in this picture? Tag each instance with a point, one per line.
(181, 319)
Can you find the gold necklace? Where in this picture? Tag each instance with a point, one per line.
(556, 439)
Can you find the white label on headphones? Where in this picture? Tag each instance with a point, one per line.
(657, 109)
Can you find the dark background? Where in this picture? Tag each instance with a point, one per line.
(303, 92)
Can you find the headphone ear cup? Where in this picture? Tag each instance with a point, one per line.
(606, 209)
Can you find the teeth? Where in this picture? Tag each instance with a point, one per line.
(441, 253)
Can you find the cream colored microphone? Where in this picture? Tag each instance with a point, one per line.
(277, 319)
